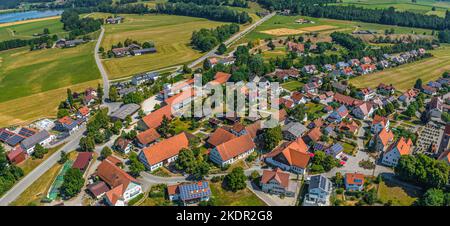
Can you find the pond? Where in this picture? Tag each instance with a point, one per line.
(27, 15)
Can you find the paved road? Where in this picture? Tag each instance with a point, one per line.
(25, 182)
(232, 40)
(102, 70)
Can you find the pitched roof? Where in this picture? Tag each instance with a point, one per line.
(379, 119)
(148, 136)
(281, 177)
(221, 77)
(82, 160)
(98, 188)
(35, 139)
(402, 145)
(84, 111)
(365, 108)
(220, 136)
(115, 194)
(445, 156)
(252, 129)
(315, 134)
(295, 128)
(154, 119)
(195, 190)
(180, 97)
(166, 148)
(113, 175)
(14, 153)
(385, 136)
(235, 147)
(347, 100)
(295, 153)
(354, 178)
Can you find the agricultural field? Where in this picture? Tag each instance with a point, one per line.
(35, 82)
(171, 35)
(26, 30)
(421, 6)
(404, 76)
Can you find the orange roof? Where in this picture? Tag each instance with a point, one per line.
(235, 147)
(220, 136)
(297, 96)
(84, 111)
(379, 119)
(252, 129)
(315, 134)
(165, 149)
(445, 156)
(350, 126)
(65, 120)
(385, 136)
(180, 97)
(278, 175)
(346, 100)
(172, 189)
(114, 160)
(113, 175)
(403, 146)
(282, 115)
(221, 77)
(148, 136)
(354, 178)
(238, 127)
(154, 119)
(115, 194)
(295, 153)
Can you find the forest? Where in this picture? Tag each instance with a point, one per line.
(237, 3)
(205, 40)
(76, 26)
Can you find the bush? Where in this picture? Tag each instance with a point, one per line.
(135, 199)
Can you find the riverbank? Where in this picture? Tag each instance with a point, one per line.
(28, 21)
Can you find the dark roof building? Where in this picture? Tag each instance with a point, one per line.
(82, 161)
(124, 111)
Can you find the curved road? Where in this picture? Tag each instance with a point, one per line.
(98, 61)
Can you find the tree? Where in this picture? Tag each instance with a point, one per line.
(166, 128)
(432, 197)
(72, 184)
(62, 113)
(46, 31)
(201, 169)
(113, 94)
(236, 179)
(39, 151)
(186, 69)
(185, 161)
(418, 84)
(87, 144)
(70, 97)
(271, 45)
(272, 137)
(206, 65)
(64, 157)
(99, 91)
(106, 152)
(136, 167)
(222, 49)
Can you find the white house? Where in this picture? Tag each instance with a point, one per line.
(319, 191)
(395, 151)
(233, 150)
(277, 182)
(290, 156)
(379, 123)
(43, 138)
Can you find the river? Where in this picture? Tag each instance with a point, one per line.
(27, 15)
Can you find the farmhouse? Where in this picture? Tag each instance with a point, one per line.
(138, 52)
(219, 137)
(232, 150)
(277, 182)
(43, 138)
(154, 119)
(290, 156)
(16, 155)
(163, 152)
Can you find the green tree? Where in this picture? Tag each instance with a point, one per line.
(46, 31)
(272, 137)
(433, 197)
(186, 160)
(113, 94)
(222, 49)
(70, 97)
(63, 158)
(106, 151)
(63, 113)
(186, 69)
(99, 91)
(72, 184)
(87, 144)
(206, 65)
(39, 151)
(418, 84)
(236, 179)
(166, 128)
(136, 167)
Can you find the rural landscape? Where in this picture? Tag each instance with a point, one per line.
(344, 103)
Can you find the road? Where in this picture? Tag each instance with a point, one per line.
(232, 40)
(25, 182)
(102, 70)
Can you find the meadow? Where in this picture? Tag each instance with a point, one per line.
(26, 30)
(404, 76)
(171, 35)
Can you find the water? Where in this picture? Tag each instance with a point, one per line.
(27, 15)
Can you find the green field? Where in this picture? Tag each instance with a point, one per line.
(404, 76)
(292, 85)
(421, 6)
(171, 35)
(26, 31)
(398, 195)
(33, 83)
(243, 197)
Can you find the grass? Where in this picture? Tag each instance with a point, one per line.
(171, 35)
(243, 197)
(399, 196)
(30, 164)
(348, 148)
(404, 76)
(26, 30)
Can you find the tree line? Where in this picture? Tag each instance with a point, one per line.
(236, 3)
(9, 173)
(16, 43)
(212, 12)
(207, 39)
(79, 26)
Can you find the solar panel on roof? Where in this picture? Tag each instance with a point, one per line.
(194, 191)
(26, 132)
(14, 140)
(5, 135)
(322, 183)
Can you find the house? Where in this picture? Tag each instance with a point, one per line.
(348, 127)
(123, 187)
(189, 193)
(163, 152)
(181, 100)
(363, 111)
(98, 189)
(366, 60)
(336, 150)
(383, 139)
(123, 145)
(347, 71)
(435, 108)
(395, 151)
(220, 136)
(382, 64)
(328, 67)
(319, 191)
(43, 138)
(238, 129)
(316, 123)
(339, 87)
(445, 139)
(82, 161)
(14, 139)
(233, 150)
(16, 155)
(313, 135)
(354, 181)
(310, 69)
(342, 65)
(83, 112)
(154, 119)
(143, 78)
(147, 137)
(293, 131)
(290, 156)
(295, 47)
(277, 182)
(445, 156)
(298, 98)
(138, 52)
(284, 74)
(63, 43)
(224, 61)
(385, 89)
(408, 96)
(338, 114)
(429, 90)
(312, 87)
(367, 68)
(366, 94)
(221, 78)
(378, 123)
(354, 63)
(66, 124)
(121, 52)
(114, 20)
(346, 100)
(124, 111)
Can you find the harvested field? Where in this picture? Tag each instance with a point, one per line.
(283, 32)
(319, 28)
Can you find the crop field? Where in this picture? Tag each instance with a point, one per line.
(33, 83)
(26, 30)
(421, 6)
(171, 35)
(404, 76)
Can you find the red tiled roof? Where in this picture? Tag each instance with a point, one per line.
(116, 178)
(235, 147)
(379, 119)
(148, 136)
(403, 146)
(354, 178)
(252, 129)
(297, 96)
(172, 189)
(281, 177)
(65, 120)
(180, 97)
(221, 77)
(349, 126)
(315, 134)
(166, 148)
(220, 136)
(346, 100)
(84, 111)
(115, 194)
(154, 119)
(14, 153)
(82, 160)
(385, 136)
(295, 152)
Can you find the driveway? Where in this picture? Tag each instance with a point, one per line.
(149, 104)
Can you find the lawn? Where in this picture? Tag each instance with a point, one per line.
(171, 35)
(34, 82)
(243, 197)
(404, 76)
(348, 148)
(26, 30)
(30, 164)
(292, 85)
(400, 196)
